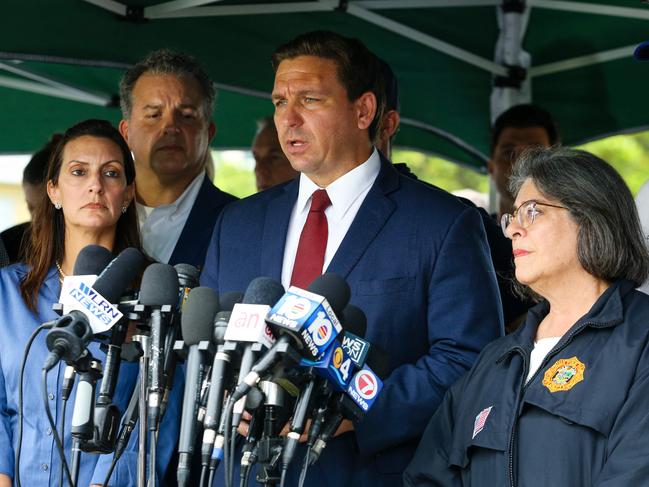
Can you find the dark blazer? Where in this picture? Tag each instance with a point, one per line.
(412, 257)
(195, 237)
(580, 420)
(15, 238)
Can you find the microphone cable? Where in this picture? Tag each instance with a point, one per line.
(50, 418)
(128, 424)
(68, 383)
(305, 467)
(23, 363)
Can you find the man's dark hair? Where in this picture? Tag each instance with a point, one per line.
(166, 62)
(391, 87)
(264, 123)
(36, 169)
(359, 70)
(525, 116)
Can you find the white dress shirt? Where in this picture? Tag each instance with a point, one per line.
(162, 225)
(346, 193)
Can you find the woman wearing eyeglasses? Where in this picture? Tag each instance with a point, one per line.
(563, 401)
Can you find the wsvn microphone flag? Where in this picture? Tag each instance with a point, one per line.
(309, 318)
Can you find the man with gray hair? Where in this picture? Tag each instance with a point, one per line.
(167, 101)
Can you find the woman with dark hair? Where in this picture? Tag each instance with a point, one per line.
(89, 200)
(563, 400)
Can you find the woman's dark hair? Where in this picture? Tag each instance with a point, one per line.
(48, 226)
(610, 243)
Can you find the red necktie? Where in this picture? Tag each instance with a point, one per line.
(313, 242)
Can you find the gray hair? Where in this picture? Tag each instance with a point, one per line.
(610, 243)
(161, 62)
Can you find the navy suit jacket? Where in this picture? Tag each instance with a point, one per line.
(418, 265)
(195, 237)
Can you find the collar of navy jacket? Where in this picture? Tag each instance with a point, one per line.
(195, 236)
(607, 311)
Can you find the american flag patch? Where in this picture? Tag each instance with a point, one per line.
(480, 420)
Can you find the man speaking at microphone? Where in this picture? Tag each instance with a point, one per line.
(409, 252)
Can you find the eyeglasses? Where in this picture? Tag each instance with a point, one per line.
(524, 214)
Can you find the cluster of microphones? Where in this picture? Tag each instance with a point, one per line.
(293, 363)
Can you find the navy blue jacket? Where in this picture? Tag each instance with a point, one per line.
(571, 425)
(411, 257)
(195, 237)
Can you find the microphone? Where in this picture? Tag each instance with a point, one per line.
(307, 324)
(187, 280)
(94, 313)
(334, 366)
(94, 426)
(92, 259)
(197, 326)
(353, 342)
(158, 293)
(249, 325)
(246, 325)
(357, 400)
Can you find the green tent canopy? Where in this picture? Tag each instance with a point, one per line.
(459, 62)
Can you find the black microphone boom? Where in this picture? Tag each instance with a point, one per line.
(196, 322)
(158, 293)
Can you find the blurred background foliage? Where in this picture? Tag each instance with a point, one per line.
(629, 154)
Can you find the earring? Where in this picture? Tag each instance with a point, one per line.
(57, 205)
(124, 208)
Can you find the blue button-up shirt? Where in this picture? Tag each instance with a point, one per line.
(40, 462)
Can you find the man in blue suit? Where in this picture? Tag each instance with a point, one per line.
(167, 101)
(415, 258)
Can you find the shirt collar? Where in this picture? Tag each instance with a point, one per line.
(344, 190)
(185, 200)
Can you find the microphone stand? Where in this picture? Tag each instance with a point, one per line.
(89, 370)
(142, 406)
(269, 450)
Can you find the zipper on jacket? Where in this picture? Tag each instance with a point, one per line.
(525, 384)
(512, 437)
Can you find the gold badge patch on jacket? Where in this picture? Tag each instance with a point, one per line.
(564, 374)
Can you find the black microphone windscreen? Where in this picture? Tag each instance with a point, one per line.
(334, 288)
(229, 299)
(187, 275)
(379, 361)
(121, 271)
(198, 314)
(159, 285)
(354, 320)
(263, 290)
(92, 259)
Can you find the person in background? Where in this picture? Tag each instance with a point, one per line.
(514, 130)
(513, 304)
(33, 186)
(410, 253)
(641, 53)
(271, 165)
(4, 256)
(167, 100)
(561, 401)
(88, 200)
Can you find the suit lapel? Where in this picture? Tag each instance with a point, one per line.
(370, 219)
(278, 214)
(193, 240)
